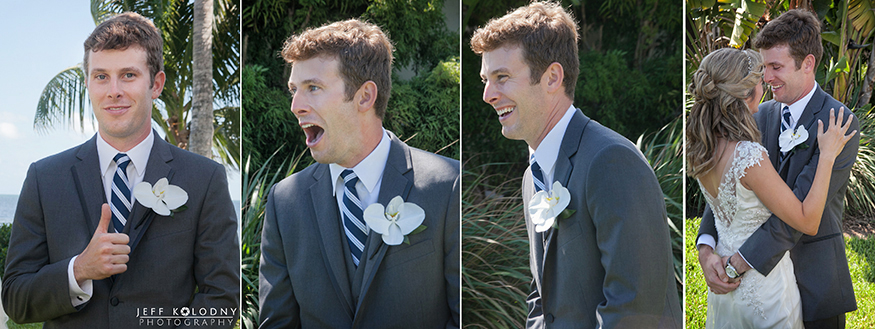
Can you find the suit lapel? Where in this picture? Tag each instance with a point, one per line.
(569, 147)
(89, 185)
(770, 134)
(156, 168)
(395, 182)
(328, 220)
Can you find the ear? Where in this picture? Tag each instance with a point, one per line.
(158, 86)
(366, 96)
(808, 63)
(553, 77)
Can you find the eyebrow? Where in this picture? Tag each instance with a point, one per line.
(496, 71)
(313, 81)
(124, 69)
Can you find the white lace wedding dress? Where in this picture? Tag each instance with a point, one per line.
(760, 301)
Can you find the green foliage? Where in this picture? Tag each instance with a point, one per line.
(5, 230)
(256, 186)
(624, 98)
(860, 198)
(270, 125)
(426, 110)
(861, 260)
(696, 290)
(495, 249)
(417, 29)
(664, 151)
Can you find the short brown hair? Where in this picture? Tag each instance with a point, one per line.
(799, 30)
(125, 30)
(546, 33)
(362, 49)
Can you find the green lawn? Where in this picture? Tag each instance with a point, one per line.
(861, 258)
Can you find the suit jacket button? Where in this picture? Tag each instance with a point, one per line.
(113, 301)
(550, 317)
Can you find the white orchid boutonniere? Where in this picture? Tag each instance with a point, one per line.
(162, 198)
(546, 206)
(396, 221)
(790, 139)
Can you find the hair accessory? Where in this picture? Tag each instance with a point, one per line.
(749, 63)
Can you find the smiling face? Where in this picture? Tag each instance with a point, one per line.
(788, 83)
(328, 119)
(518, 103)
(121, 94)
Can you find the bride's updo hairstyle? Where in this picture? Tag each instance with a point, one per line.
(725, 79)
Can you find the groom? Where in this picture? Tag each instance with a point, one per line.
(609, 264)
(791, 48)
(322, 265)
(86, 252)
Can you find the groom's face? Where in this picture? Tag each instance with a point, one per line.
(789, 83)
(121, 91)
(329, 121)
(517, 102)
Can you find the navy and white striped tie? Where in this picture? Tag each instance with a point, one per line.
(785, 124)
(537, 176)
(353, 225)
(120, 202)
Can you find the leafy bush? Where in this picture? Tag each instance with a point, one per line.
(426, 110)
(5, 230)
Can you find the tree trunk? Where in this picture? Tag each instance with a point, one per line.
(201, 139)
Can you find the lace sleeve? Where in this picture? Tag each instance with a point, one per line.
(748, 154)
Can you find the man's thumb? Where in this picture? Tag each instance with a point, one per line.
(105, 218)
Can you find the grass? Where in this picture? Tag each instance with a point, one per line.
(861, 259)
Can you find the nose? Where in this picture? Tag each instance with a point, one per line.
(768, 76)
(115, 90)
(298, 108)
(490, 94)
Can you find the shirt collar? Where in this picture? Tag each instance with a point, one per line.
(798, 107)
(548, 149)
(139, 154)
(370, 170)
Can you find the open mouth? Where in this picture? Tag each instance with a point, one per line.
(505, 112)
(314, 133)
(116, 108)
(776, 87)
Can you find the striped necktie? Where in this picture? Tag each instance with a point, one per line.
(785, 124)
(353, 226)
(537, 175)
(120, 202)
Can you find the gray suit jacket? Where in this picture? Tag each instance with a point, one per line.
(188, 260)
(609, 265)
(819, 261)
(303, 280)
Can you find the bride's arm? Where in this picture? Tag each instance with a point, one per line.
(803, 216)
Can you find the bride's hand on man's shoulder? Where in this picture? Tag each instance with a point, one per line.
(832, 140)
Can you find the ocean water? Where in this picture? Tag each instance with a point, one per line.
(7, 207)
(9, 201)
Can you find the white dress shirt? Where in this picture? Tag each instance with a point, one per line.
(796, 110)
(139, 155)
(548, 150)
(369, 172)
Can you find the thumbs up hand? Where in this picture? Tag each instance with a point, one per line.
(105, 255)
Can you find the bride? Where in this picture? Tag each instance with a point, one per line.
(743, 189)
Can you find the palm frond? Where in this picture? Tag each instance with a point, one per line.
(62, 100)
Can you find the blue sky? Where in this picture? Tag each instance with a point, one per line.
(38, 39)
